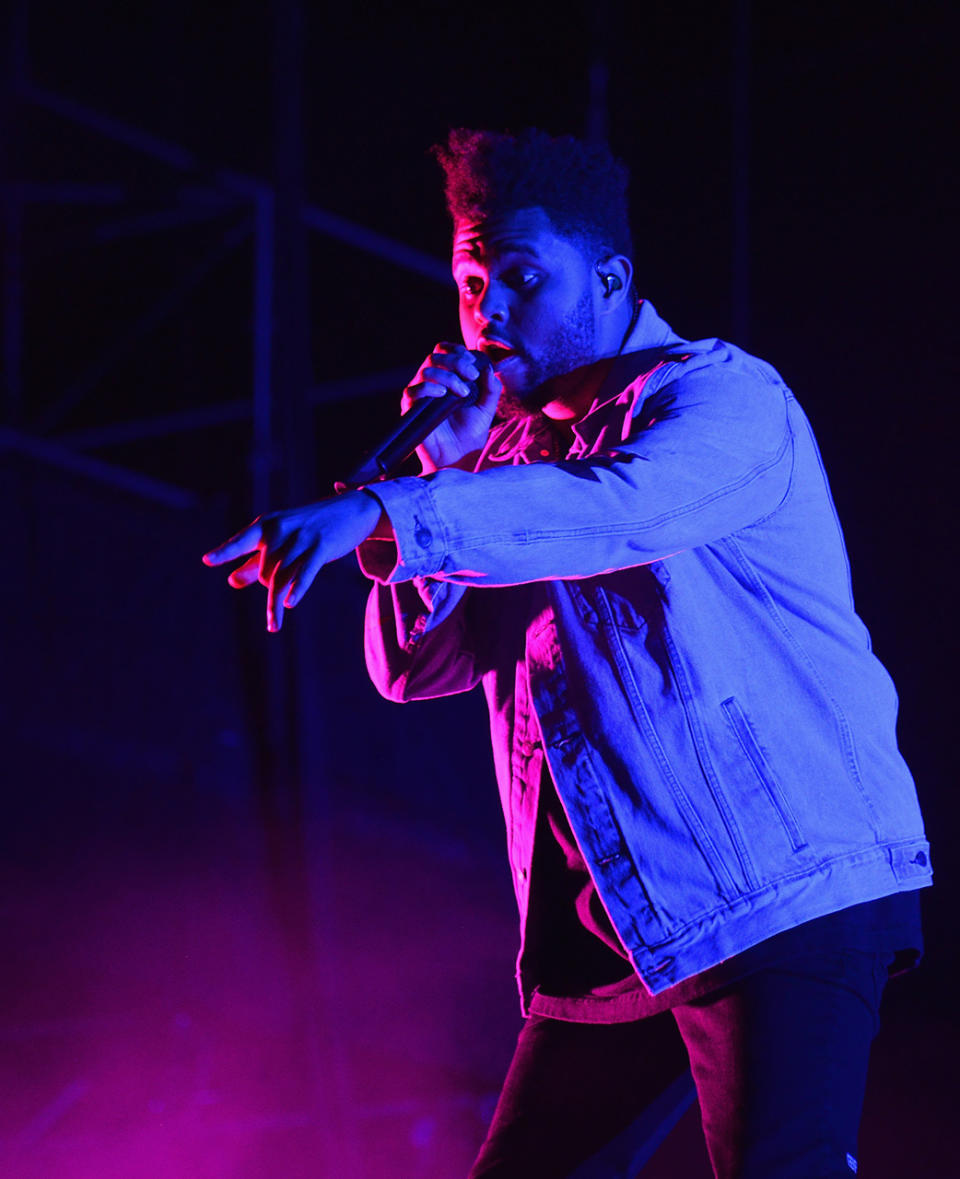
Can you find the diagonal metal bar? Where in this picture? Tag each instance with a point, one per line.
(384, 381)
(141, 328)
(372, 242)
(160, 426)
(176, 156)
(159, 220)
(162, 150)
(226, 412)
(55, 455)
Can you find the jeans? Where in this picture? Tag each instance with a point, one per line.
(779, 1059)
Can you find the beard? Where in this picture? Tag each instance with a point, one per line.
(572, 345)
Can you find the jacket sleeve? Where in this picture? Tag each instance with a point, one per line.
(417, 640)
(708, 452)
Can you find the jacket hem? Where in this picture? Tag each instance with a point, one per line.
(837, 884)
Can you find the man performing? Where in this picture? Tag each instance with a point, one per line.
(628, 538)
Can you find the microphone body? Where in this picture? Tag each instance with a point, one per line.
(414, 426)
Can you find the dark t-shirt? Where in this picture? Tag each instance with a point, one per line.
(583, 972)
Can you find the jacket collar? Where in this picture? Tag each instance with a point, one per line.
(643, 351)
(650, 336)
(536, 436)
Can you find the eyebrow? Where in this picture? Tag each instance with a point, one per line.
(521, 247)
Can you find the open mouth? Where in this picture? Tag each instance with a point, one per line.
(496, 352)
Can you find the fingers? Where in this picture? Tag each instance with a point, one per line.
(246, 574)
(274, 605)
(239, 545)
(288, 583)
(303, 578)
(450, 368)
(459, 359)
(282, 577)
(277, 568)
(276, 571)
(443, 380)
(349, 521)
(286, 552)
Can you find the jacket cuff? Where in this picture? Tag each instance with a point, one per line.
(420, 547)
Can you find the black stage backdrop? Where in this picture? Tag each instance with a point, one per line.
(258, 921)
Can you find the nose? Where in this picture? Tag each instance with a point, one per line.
(492, 306)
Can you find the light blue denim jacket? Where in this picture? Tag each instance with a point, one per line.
(665, 615)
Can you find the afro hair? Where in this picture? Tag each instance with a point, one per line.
(580, 186)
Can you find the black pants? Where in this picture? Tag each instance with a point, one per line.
(779, 1060)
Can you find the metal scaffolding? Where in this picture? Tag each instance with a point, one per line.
(272, 213)
(285, 714)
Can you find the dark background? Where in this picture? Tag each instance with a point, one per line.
(257, 920)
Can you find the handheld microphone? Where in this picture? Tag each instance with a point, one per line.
(414, 426)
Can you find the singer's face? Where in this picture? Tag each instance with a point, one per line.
(527, 300)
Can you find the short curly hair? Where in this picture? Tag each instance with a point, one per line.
(580, 186)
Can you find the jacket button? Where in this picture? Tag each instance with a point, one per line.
(422, 534)
(920, 858)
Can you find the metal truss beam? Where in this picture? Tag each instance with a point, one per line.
(142, 328)
(237, 183)
(211, 191)
(205, 417)
(122, 478)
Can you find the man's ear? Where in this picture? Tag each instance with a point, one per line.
(615, 274)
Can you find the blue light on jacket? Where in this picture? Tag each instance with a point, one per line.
(665, 615)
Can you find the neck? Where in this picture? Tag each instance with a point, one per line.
(573, 393)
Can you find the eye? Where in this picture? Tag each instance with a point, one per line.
(471, 286)
(522, 280)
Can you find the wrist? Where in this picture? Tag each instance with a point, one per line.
(373, 512)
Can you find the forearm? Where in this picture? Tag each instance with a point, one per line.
(646, 500)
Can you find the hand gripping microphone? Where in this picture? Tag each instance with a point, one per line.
(420, 420)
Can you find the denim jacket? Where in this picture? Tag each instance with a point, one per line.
(662, 617)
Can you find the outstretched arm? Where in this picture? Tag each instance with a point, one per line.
(286, 550)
